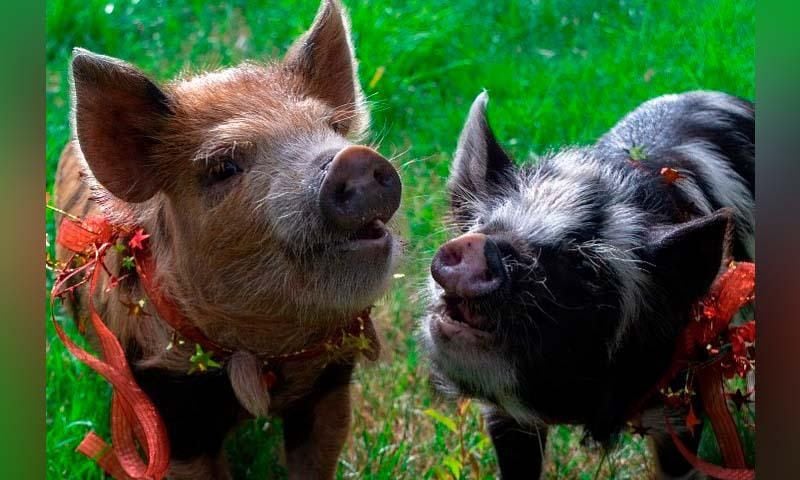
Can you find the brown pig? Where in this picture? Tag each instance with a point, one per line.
(268, 230)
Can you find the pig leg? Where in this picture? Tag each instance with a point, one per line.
(315, 430)
(520, 449)
(670, 463)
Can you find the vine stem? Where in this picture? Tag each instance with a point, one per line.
(62, 212)
(600, 465)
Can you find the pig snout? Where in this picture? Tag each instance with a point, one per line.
(469, 266)
(360, 186)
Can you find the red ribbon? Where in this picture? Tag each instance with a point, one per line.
(134, 419)
(167, 310)
(729, 293)
(708, 468)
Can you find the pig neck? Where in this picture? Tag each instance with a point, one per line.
(275, 330)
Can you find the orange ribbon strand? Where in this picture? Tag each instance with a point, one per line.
(134, 419)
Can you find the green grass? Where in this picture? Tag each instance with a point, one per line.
(557, 72)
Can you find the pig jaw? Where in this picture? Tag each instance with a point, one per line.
(464, 363)
(465, 360)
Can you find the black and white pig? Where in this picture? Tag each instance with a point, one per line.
(561, 300)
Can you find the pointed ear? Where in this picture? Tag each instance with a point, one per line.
(481, 169)
(324, 58)
(118, 114)
(689, 256)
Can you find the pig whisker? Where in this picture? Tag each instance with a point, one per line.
(534, 303)
(415, 160)
(277, 195)
(539, 438)
(379, 138)
(398, 155)
(471, 199)
(289, 215)
(531, 323)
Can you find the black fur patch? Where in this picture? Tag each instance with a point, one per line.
(198, 410)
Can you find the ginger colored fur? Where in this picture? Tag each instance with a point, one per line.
(249, 260)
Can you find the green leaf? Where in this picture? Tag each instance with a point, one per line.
(201, 361)
(453, 465)
(637, 153)
(483, 444)
(441, 418)
(128, 263)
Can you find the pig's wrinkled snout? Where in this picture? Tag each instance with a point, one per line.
(360, 187)
(469, 266)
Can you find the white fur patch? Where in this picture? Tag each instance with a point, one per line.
(548, 205)
(727, 187)
(623, 234)
(483, 370)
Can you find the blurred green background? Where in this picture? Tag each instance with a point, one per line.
(558, 73)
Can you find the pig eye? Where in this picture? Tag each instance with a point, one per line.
(339, 121)
(222, 170)
(338, 127)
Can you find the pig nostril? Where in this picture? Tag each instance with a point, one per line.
(450, 257)
(342, 194)
(382, 178)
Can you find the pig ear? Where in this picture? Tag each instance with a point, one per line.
(324, 58)
(481, 169)
(118, 114)
(688, 256)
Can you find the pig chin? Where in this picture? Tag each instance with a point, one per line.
(353, 279)
(466, 362)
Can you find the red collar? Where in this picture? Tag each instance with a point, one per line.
(708, 350)
(81, 235)
(359, 328)
(136, 425)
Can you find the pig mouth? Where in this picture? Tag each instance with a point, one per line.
(374, 230)
(372, 239)
(457, 318)
(373, 235)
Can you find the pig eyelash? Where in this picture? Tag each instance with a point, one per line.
(221, 169)
(339, 118)
(214, 152)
